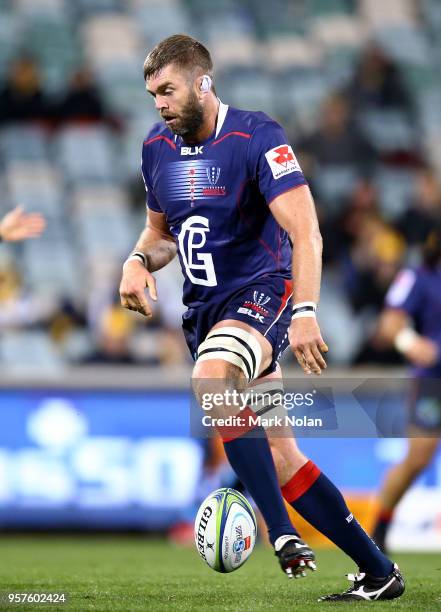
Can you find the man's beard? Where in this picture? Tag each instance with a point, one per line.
(190, 119)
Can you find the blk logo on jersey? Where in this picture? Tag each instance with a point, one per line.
(282, 161)
(192, 150)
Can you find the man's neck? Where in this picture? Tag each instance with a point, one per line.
(210, 120)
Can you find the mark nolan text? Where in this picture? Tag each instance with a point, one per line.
(261, 421)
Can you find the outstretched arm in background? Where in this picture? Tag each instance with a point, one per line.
(18, 225)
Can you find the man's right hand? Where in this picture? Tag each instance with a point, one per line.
(134, 280)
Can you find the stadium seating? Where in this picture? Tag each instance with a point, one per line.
(85, 153)
(21, 351)
(283, 58)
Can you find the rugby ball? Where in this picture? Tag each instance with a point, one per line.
(225, 530)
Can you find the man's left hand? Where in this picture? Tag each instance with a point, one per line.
(307, 344)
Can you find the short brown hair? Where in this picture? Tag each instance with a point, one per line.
(181, 50)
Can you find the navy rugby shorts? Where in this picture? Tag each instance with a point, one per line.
(425, 405)
(264, 304)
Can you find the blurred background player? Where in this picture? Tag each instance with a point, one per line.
(412, 323)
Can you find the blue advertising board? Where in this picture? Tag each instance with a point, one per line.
(126, 459)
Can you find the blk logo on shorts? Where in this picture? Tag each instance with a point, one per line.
(255, 309)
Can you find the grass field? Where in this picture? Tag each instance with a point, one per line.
(135, 573)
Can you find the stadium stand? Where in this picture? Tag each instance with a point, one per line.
(288, 59)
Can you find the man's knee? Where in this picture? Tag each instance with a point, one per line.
(215, 368)
(212, 378)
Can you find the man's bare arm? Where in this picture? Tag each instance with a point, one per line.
(159, 248)
(156, 242)
(294, 210)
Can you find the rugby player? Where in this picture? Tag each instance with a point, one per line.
(225, 192)
(411, 322)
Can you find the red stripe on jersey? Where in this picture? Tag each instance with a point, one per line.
(167, 140)
(242, 134)
(286, 296)
(302, 480)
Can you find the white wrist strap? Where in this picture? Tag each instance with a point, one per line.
(304, 309)
(405, 339)
(137, 256)
(300, 315)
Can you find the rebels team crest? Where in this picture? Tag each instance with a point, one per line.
(260, 299)
(213, 174)
(282, 161)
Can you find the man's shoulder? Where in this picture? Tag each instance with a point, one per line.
(157, 133)
(249, 121)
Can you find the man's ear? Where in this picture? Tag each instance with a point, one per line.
(205, 83)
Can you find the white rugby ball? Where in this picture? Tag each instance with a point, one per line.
(225, 530)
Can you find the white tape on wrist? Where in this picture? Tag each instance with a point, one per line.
(302, 304)
(299, 315)
(405, 339)
(137, 256)
(304, 309)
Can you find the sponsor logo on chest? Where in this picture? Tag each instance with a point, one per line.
(192, 150)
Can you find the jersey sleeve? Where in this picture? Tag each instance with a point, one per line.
(151, 201)
(272, 161)
(406, 293)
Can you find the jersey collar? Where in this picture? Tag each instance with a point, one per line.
(221, 116)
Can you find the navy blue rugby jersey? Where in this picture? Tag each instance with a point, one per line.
(215, 198)
(418, 293)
